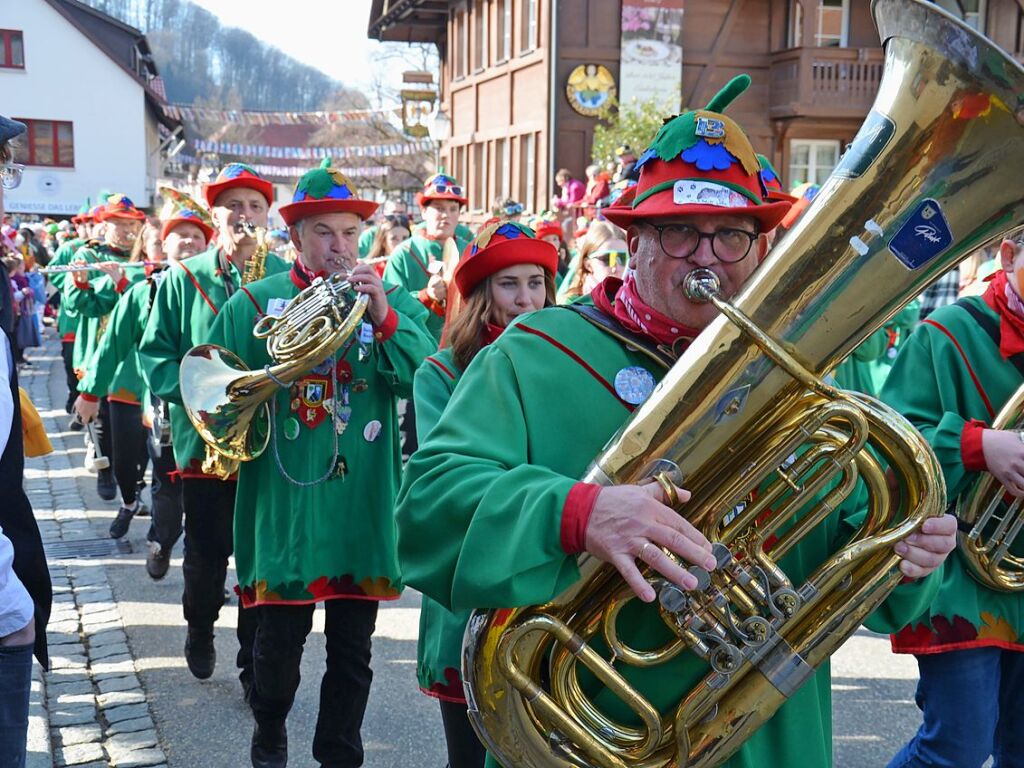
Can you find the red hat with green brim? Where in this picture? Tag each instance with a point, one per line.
(325, 190)
(772, 183)
(500, 245)
(441, 187)
(118, 207)
(701, 162)
(237, 175)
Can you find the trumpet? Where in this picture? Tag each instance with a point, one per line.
(97, 266)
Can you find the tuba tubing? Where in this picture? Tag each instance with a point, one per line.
(929, 178)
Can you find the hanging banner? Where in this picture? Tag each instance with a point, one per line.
(290, 171)
(651, 53)
(399, 149)
(251, 117)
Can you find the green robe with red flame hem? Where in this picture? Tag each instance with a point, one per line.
(439, 646)
(480, 514)
(114, 368)
(67, 321)
(184, 309)
(950, 381)
(335, 539)
(93, 301)
(408, 267)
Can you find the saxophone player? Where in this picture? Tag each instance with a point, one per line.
(490, 512)
(951, 378)
(184, 309)
(314, 512)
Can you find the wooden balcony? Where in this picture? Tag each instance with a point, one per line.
(824, 82)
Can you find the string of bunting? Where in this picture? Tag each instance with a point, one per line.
(295, 171)
(253, 117)
(313, 153)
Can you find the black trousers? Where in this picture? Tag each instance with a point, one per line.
(168, 509)
(407, 428)
(104, 432)
(129, 458)
(209, 541)
(345, 686)
(464, 747)
(67, 351)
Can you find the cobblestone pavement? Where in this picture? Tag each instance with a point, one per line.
(119, 693)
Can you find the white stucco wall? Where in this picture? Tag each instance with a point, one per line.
(66, 77)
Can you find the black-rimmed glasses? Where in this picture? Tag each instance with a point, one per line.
(729, 244)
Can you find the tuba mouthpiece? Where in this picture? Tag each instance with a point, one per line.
(701, 285)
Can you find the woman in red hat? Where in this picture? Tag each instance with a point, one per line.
(506, 272)
(549, 229)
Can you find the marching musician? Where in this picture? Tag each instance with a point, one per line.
(313, 514)
(506, 272)
(92, 296)
(490, 512)
(410, 267)
(183, 233)
(951, 378)
(185, 307)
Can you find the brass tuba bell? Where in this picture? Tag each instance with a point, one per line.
(995, 519)
(756, 434)
(225, 400)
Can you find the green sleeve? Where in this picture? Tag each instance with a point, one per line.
(226, 330)
(159, 351)
(399, 269)
(366, 241)
(117, 342)
(95, 301)
(431, 390)
(498, 542)
(404, 351)
(873, 347)
(920, 388)
(907, 319)
(62, 257)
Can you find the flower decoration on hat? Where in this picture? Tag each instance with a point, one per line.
(700, 162)
(771, 183)
(325, 189)
(237, 175)
(180, 208)
(119, 206)
(502, 244)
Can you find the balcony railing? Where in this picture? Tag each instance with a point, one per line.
(824, 82)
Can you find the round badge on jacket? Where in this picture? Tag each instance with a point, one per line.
(634, 384)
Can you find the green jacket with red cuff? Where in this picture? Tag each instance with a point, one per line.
(491, 515)
(950, 381)
(185, 307)
(67, 321)
(314, 513)
(94, 299)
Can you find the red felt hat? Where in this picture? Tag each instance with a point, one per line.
(325, 190)
(500, 245)
(118, 207)
(237, 175)
(700, 163)
(441, 187)
(185, 217)
(545, 227)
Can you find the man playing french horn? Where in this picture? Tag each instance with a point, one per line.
(961, 367)
(185, 307)
(491, 513)
(313, 515)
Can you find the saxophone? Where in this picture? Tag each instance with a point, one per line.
(995, 521)
(745, 420)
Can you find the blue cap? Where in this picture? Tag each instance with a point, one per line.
(9, 129)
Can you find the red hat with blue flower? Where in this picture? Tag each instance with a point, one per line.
(772, 182)
(700, 162)
(118, 206)
(325, 190)
(548, 224)
(237, 175)
(499, 245)
(441, 186)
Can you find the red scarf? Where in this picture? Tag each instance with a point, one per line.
(490, 333)
(302, 277)
(626, 306)
(1001, 297)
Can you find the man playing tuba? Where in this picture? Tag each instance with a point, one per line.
(490, 513)
(951, 379)
(313, 514)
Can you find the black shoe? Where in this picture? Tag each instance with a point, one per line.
(143, 510)
(269, 746)
(157, 561)
(200, 655)
(106, 486)
(76, 425)
(119, 527)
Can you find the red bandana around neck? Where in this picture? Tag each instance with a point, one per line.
(301, 275)
(1008, 305)
(619, 299)
(491, 332)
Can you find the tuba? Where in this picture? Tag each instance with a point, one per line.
(227, 403)
(746, 422)
(993, 522)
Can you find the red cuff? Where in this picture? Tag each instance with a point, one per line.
(971, 452)
(82, 285)
(387, 329)
(576, 514)
(122, 284)
(431, 303)
(88, 398)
